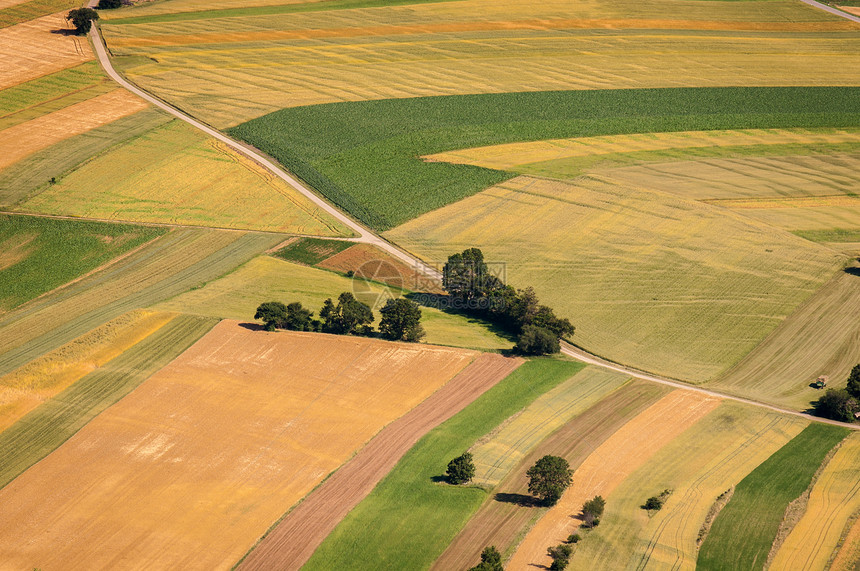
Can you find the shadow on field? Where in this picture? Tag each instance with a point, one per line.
(253, 326)
(521, 500)
(854, 271)
(65, 32)
(444, 304)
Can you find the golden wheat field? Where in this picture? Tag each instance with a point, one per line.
(195, 465)
(32, 49)
(28, 386)
(174, 174)
(649, 279)
(233, 69)
(609, 465)
(27, 138)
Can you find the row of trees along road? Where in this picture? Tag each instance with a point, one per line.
(841, 404)
(474, 288)
(401, 318)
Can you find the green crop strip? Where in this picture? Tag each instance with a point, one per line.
(311, 251)
(365, 156)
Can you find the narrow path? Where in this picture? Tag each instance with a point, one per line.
(367, 236)
(833, 11)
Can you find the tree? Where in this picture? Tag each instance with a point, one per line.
(854, 382)
(837, 404)
(593, 509)
(298, 318)
(491, 560)
(537, 341)
(461, 469)
(273, 314)
(401, 320)
(654, 503)
(466, 275)
(549, 478)
(347, 317)
(82, 19)
(109, 4)
(545, 317)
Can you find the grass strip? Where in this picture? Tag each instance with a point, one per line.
(742, 534)
(409, 518)
(835, 235)
(45, 428)
(365, 156)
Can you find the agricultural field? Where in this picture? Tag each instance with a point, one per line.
(29, 245)
(173, 174)
(19, 11)
(176, 472)
(237, 295)
(310, 251)
(234, 64)
(409, 519)
(609, 465)
(744, 530)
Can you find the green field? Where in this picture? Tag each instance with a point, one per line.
(30, 245)
(56, 420)
(237, 295)
(409, 519)
(363, 156)
(311, 251)
(744, 530)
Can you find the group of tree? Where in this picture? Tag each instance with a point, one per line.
(468, 280)
(560, 555)
(841, 404)
(400, 318)
(491, 560)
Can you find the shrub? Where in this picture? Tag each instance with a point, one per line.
(573, 538)
(560, 556)
(491, 560)
(592, 510)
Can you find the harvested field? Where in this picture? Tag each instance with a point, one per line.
(703, 462)
(496, 455)
(371, 263)
(25, 178)
(410, 517)
(26, 387)
(174, 174)
(163, 268)
(31, 50)
(833, 500)
(208, 60)
(193, 466)
(46, 427)
(16, 12)
(291, 543)
(148, 9)
(848, 555)
(26, 138)
(822, 338)
(237, 295)
(659, 282)
(70, 248)
(609, 465)
(505, 517)
(744, 530)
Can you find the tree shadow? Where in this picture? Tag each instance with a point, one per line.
(521, 500)
(65, 32)
(446, 304)
(439, 479)
(253, 326)
(853, 270)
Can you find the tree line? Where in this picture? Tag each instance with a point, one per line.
(400, 321)
(841, 404)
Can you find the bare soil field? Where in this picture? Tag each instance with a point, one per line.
(31, 136)
(33, 49)
(609, 465)
(191, 468)
(371, 263)
(296, 537)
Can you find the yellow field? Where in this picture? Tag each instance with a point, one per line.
(26, 138)
(699, 465)
(609, 465)
(832, 501)
(518, 156)
(821, 338)
(174, 174)
(849, 554)
(648, 279)
(238, 294)
(495, 457)
(31, 50)
(7, 3)
(147, 8)
(233, 69)
(26, 387)
(190, 469)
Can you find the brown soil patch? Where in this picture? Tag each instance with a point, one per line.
(850, 9)
(609, 465)
(15, 249)
(34, 49)
(191, 468)
(298, 535)
(27, 138)
(371, 263)
(7, 3)
(848, 557)
(466, 27)
(506, 515)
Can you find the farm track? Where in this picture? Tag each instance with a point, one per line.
(295, 538)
